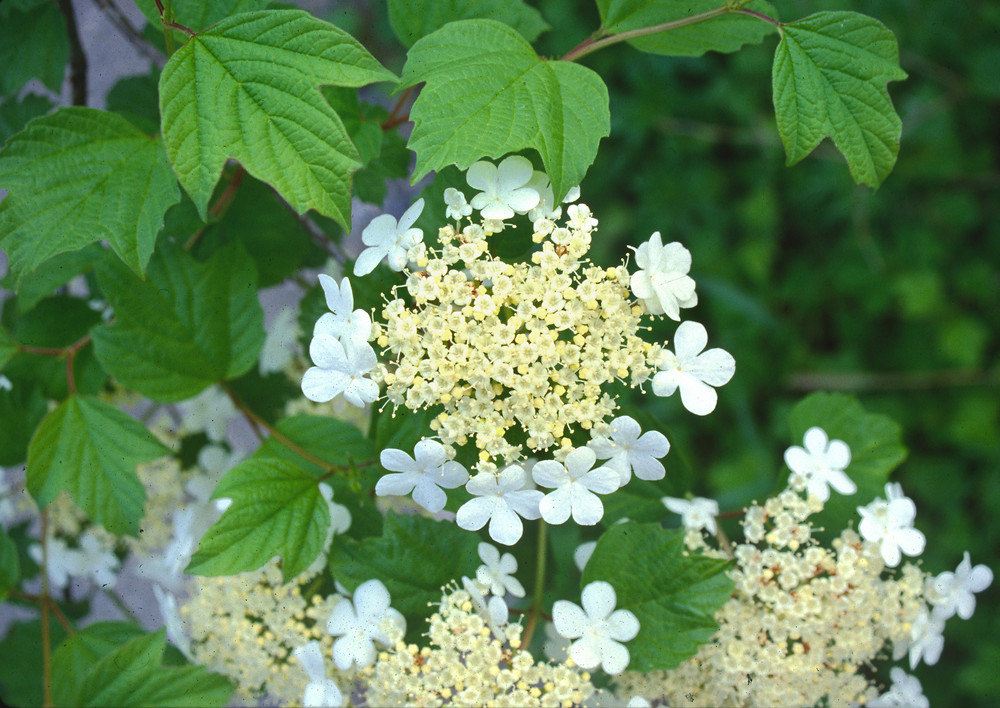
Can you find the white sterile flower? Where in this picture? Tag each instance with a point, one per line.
(905, 692)
(342, 321)
(361, 623)
(582, 554)
(889, 523)
(627, 451)
(662, 282)
(340, 515)
(210, 411)
(340, 370)
(504, 189)
(556, 646)
(500, 499)
(697, 513)
(821, 463)
(321, 690)
(599, 626)
(637, 702)
(424, 474)
(457, 206)
(497, 572)
(388, 239)
(692, 370)
(279, 344)
(547, 208)
(926, 640)
(62, 561)
(952, 593)
(575, 484)
(173, 622)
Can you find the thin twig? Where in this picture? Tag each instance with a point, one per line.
(77, 57)
(220, 206)
(39, 600)
(130, 32)
(395, 117)
(592, 45)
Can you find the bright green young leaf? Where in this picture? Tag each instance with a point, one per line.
(91, 449)
(277, 509)
(876, 449)
(726, 32)
(14, 115)
(674, 594)
(488, 94)
(412, 20)
(33, 44)
(829, 80)
(78, 176)
(414, 558)
(248, 89)
(187, 326)
(10, 567)
(132, 674)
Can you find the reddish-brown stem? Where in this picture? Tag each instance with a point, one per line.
(220, 205)
(734, 514)
(758, 15)
(40, 600)
(395, 117)
(70, 353)
(181, 28)
(159, 7)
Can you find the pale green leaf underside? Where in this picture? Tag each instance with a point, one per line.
(412, 20)
(277, 509)
(187, 326)
(248, 89)
(673, 594)
(488, 94)
(726, 33)
(91, 450)
(78, 176)
(829, 78)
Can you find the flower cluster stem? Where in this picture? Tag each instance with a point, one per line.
(538, 599)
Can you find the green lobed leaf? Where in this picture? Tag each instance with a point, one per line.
(77, 176)
(415, 557)
(21, 410)
(21, 659)
(198, 14)
(277, 509)
(412, 20)
(14, 115)
(33, 44)
(725, 33)
(488, 94)
(876, 449)
(674, 594)
(132, 674)
(187, 326)
(54, 273)
(137, 99)
(74, 657)
(829, 79)
(10, 566)
(248, 89)
(91, 449)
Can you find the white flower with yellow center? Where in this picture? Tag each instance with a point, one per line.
(629, 450)
(576, 487)
(502, 500)
(953, 593)
(821, 464)
(889, 523)
(696, 514)
(320, 691)
(694, 371)
(424, 474)
(497, 572)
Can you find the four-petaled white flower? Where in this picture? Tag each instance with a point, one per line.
(547, 207)
(821, 463)
(388, 239)
(500, 499)
(575, 484)
(503, 188)
(629, 450)
(497, 572)
(340, 370)
(692, 370)
(889, 523)
(926, 638)
(424, 474)
(457, 206)
(698, 513)
(952, 593)
(662, 282)
(598, 628)
(342, 321)
(360, 624)
(905, 692)
(320, 691)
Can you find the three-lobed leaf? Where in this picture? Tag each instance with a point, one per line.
(33, 44)
(91, 449)
(829, 79)
(277, 509)
(488, 93)
(672, 593)
(413, 19)
(876, 449)
(77, 176)
(187, 326)
(247, 89)
(724, 31)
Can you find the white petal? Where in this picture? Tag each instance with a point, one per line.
(602, 480)
(368, 259)
(523, 200)
(689, 340)
(624, 625)
(598, 599)
(587, 507)
(515, 171)
(430, 454)
(481, 175)
(585, 654)
(322, 385)
(397, 485)
(698, 397)
(614, 658)
(474, 514)
(429, 496)
(397, 460)
(327, 352)
(380, 232)
(310, 655)
(665, 383)
(815, 441)
(549, 473)
(838, 454)
(911, 541)
(556, 506)
(569, 619)
(411, 215)
(505, 525)
(715, 367)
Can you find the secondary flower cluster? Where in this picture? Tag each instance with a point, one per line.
(805, 617)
